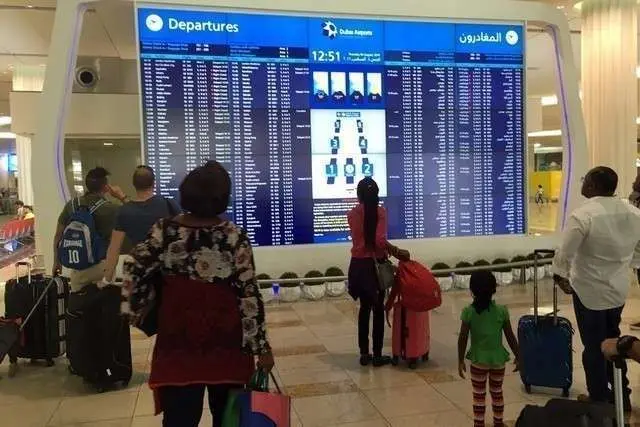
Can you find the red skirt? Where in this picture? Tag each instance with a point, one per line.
(199, 337)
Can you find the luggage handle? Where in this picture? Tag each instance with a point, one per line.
(536, 256)
(618, 363)
(23, 264)
(42, 296)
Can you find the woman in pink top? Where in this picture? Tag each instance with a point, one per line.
(368, 225)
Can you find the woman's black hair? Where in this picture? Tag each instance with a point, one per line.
(368, 196)
(483, 287)
(205, 191)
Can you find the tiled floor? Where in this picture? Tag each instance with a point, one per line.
(315, 344)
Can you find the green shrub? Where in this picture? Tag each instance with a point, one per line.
(461, 266)
(313, 274)
(518, 258)
(499, 261)
(263, 276)
(441, 266)
(334, 272)
(289, 275)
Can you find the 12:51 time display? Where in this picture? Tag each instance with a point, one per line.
(325, 55)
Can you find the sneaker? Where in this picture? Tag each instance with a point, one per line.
(379, 361)
(635, 326)
(365, 359)
(13, 370)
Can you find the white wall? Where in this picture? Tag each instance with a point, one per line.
(115, 115)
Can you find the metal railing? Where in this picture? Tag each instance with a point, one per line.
(522, 265)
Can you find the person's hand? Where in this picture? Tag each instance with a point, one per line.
(266, 362)
(609, 348)
(403, 255)
(116, 192)
(462, 368)
(516, 365)
(563, 284)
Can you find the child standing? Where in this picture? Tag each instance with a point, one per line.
(486, 321)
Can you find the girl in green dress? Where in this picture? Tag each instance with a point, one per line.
(486, 321)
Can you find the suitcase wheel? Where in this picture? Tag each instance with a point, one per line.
(395, 360)
(413, 364)
(527, 388)
(565, 392)
(425, 357)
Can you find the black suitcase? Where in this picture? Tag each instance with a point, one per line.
(44, 335)
(99, 340)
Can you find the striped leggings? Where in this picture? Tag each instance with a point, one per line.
(479, 376)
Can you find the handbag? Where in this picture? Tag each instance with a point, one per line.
(148, 320)
(255, 406)
(386, 273)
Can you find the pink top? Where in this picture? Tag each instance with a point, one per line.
(356, 225)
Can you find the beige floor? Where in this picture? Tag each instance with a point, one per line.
(315, 346)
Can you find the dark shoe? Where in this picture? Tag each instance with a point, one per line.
(365, 359)
(379, 361)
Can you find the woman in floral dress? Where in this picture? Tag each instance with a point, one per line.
(211, 320)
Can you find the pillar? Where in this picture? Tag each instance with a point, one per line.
(26, 78)
(609, 84)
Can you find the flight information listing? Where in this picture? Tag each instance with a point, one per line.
(300, 109)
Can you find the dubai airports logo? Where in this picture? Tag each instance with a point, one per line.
(329, 29)
(154, 23)
(511, 37)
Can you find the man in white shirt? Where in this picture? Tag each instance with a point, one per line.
(599, 246)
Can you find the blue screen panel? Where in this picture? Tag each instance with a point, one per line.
(300, 108)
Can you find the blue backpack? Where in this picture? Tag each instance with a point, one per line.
(81, 245)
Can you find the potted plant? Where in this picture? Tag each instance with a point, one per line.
(445, 280)
(313, 290)
(266, 289)
(503, 274)
(335, 288)
(462, 278)
(518, 271)
(542, 271)
(290, 291)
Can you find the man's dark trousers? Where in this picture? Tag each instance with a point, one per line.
(595, 326)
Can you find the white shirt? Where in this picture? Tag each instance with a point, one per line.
(601, 242)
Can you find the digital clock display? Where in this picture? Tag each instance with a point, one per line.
(325, 55)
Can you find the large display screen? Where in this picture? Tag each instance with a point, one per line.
(300, 108)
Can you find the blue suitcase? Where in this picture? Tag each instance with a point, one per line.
(546, 354)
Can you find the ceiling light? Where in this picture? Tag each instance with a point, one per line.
(578, 6)
(560, 6)
(545, 133)
(5, 120)
(638, 120)
(537, 145)
(29, 6)
(108, 144)
(7, 135)
(546, 101)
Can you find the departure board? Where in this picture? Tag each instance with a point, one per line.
(299, 109)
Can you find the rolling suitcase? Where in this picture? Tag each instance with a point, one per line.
(572, 413)
(410, 335)
(43, 337)
(546, 355)
(99, 340)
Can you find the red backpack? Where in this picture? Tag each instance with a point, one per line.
(416, 286)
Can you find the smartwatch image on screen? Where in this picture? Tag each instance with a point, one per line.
(364, 144)
(360, 126)
(367, 168)
(350, 171)
(332, 171)
(336, 125)
(335, 144)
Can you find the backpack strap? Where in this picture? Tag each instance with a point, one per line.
(97, 205)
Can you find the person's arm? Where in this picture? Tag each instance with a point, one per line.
(610, 349)
(573, 236)
(512, 341)
(143, 259)
(463, 340)
(254, 334)
(113, 255)
(382, 242)
(56, 241)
